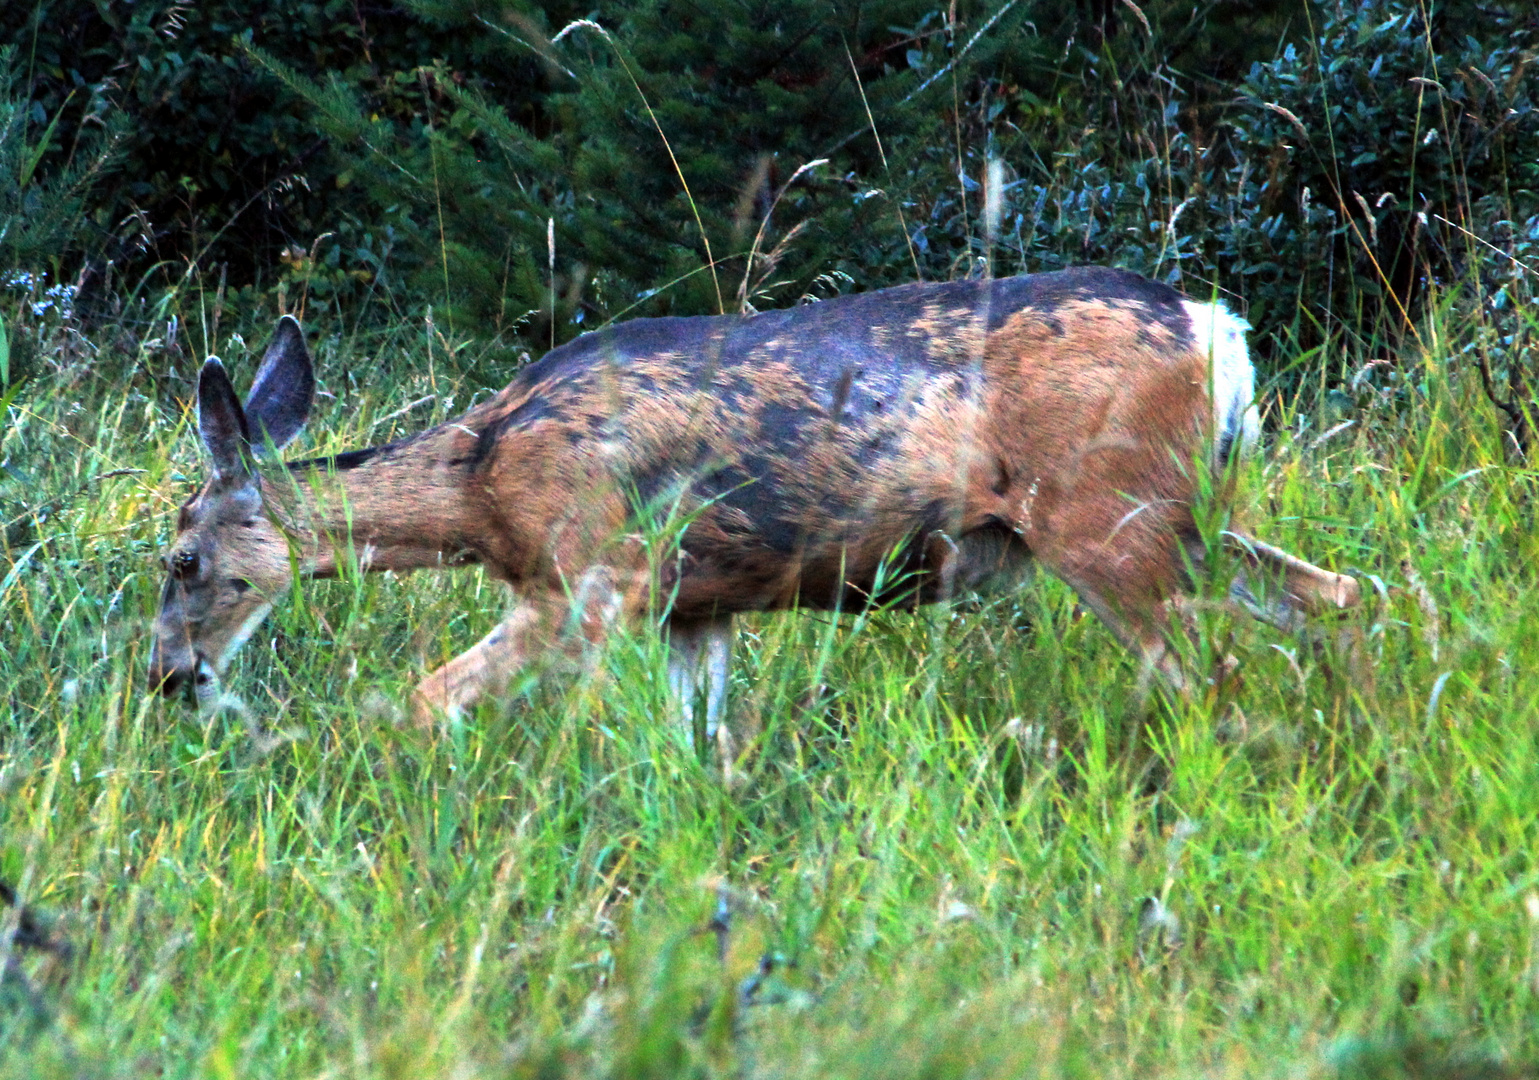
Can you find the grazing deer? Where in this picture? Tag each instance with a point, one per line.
(894, 446)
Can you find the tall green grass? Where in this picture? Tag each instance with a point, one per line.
(958, 843)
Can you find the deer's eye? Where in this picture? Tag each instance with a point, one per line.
(184, 565)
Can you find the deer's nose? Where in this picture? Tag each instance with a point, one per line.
(174, 675)
(169, 682)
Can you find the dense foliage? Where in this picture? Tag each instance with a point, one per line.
(506, 160)
(217, 165)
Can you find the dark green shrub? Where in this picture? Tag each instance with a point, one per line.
(219, 164)
(663, 162)
(1379, 162)
(430, 154)
(42, 210)
(1344, 181)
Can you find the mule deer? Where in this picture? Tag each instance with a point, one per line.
(893, 446)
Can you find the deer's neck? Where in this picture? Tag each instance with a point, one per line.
(401, 506)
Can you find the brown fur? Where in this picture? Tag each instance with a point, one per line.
(949, 432)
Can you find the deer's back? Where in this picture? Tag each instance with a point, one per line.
(816, 451)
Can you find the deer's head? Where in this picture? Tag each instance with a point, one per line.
(230, 561)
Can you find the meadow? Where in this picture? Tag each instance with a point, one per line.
(958, 843)
(963, 842)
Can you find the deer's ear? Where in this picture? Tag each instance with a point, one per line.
(222, 424)
(280, 398)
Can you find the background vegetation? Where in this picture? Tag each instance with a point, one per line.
(954, 845)
(529, 172)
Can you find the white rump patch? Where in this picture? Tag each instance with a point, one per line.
(1221, 335)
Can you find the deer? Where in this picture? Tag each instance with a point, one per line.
(898, 446)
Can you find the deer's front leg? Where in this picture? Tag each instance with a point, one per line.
(698, 657)
(486, 667)
(557, 621)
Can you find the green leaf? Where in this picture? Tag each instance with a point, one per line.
(30, 163)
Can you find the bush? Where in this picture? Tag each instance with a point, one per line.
(437, 154)
(1343, 182)
(219, 165)
(685, 157)
(1375, 165)
(42, 210)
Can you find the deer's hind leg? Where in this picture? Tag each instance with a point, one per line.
(1128, 563)
(1138, 582)
(1285, 591)
(1143, 623)
(566, 623)
(1293, 589)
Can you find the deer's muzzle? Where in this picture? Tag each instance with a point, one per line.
(170, 681)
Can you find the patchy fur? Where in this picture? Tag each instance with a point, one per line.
(889, 447)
